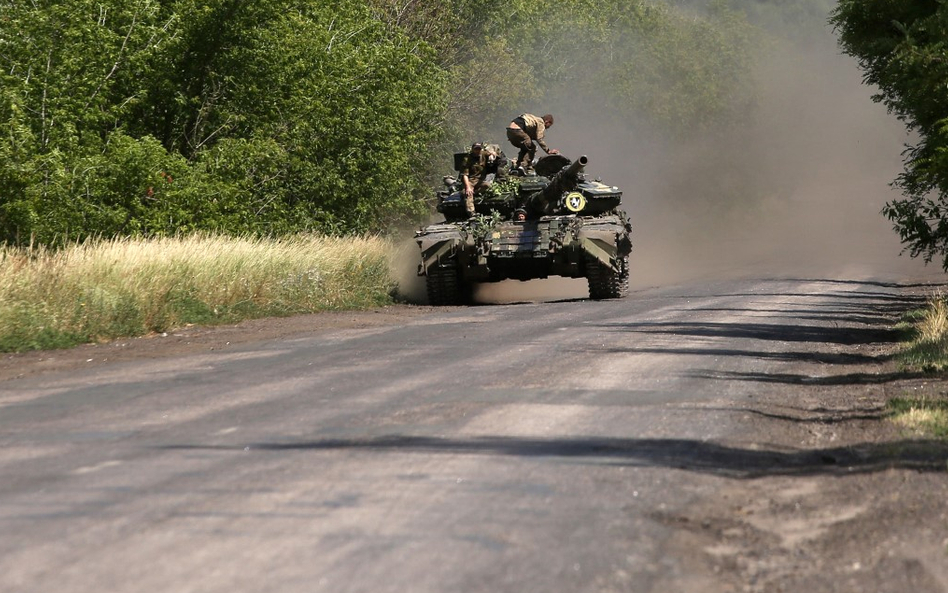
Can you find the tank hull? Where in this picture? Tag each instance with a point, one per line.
(570, 246)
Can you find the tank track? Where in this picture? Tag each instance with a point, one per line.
(605, 283)
(444, 285)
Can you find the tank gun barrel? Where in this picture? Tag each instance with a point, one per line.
(548, 199)
(576, 168)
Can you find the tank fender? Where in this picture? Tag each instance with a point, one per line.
(605, 243)
(437, 247)
(601, 250)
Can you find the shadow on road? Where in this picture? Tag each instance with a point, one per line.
(685, 454)
(789, 332)
(817, 415)
(850, 319)
(797, 379)
(842, 317)
(794, 356)
(839, 319)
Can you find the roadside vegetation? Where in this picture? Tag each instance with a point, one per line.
(927, 333)
(926, 351)
(900, 47)
(173, 162)
(103, 289)
(921, 416)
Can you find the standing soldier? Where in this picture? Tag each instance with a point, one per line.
(526, 132)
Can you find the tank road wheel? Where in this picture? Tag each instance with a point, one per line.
(606, 283)
(445, 286)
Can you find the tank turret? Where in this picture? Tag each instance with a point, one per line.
(550, 199)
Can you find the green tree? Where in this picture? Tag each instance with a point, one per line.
(62, 97)
(639, 60)
(156, 116)
(901, 48)
(347, 101)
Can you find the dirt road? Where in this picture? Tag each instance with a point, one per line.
(716, 437)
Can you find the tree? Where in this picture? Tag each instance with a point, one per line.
(159, 116)
(902, 48)
(346, 104)
(63, 97)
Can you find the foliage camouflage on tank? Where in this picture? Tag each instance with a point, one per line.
(552, 221)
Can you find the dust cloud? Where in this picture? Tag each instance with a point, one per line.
(796, 190)
(411, 286)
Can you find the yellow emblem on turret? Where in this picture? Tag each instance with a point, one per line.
(575, 202)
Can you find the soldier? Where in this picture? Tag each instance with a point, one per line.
(497, 164)
(474, 175)
(526, 132)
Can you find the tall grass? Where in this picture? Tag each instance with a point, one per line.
(926, 351)
(928, 329)
(125, 287)
(923, 416)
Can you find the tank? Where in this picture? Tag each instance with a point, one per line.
(553, 221)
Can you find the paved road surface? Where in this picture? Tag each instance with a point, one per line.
(557, 447)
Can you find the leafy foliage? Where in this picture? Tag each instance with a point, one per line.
(156, 117)
(153, 117)
(901, 47)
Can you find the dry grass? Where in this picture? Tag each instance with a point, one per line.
(921, 416)
(934, 324)
(105, 289)
(928, 348)
(927, 352)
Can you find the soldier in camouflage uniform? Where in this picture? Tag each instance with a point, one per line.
(526, 132)
(474, 174)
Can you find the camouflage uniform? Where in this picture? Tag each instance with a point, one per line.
(496, 161)
(475, 169)
(527, 137)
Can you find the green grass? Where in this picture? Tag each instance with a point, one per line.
(921, 416)
(926, 332)
(101, 290)
(925, 350)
